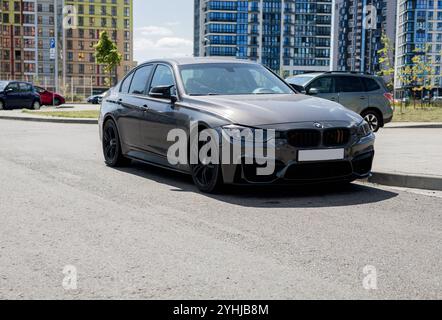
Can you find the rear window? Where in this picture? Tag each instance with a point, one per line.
(371, 84)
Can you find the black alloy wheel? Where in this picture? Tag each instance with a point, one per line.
(206, 175)
(112, 147)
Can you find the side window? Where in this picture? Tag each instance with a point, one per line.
(139, 81)
(350, 84)
(126, 83)
(371, 84)
(24, 87)
(13, 86)
(324, 85)
(162, 77)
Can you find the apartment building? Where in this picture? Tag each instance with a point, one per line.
(360, 25)
(51, 41)
(419, 27)
(289, 36)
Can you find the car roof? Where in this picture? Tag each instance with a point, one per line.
(340, 73)
(199, 60)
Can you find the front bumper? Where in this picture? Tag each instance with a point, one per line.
(357, 164)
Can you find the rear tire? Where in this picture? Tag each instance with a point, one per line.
(112, 146)
(36, 105)
(2, 105)
(373, 118)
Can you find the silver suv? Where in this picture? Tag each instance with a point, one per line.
(367, 95)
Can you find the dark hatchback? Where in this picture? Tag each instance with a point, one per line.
(316, 140)
(17, 94)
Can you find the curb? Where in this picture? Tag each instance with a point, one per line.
(51, 120)
(407, 181)
(417, 126)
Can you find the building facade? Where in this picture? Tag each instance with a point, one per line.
(358, 34)
(289, 36)
(419, 28)
(51, 42)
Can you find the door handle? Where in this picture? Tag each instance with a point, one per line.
(120, 101)
(362, 98)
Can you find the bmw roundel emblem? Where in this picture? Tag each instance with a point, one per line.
(318, 125)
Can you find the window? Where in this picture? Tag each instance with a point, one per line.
(140, 79)
(126, 83)
(24, 87)
(324, 85)
(371, 84)
(349, 84)
(13, 86)
(163, 77)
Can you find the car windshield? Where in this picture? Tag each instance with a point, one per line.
(299, 81)
(3, 85)
(231, 79)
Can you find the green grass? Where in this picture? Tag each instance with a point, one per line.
(86, 114)
(418, 114)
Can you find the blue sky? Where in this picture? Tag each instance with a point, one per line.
(162, 29)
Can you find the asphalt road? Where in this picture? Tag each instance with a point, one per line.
(142, 232)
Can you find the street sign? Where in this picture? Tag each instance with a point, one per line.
(52, 50)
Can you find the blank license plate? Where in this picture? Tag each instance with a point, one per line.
(321, 155)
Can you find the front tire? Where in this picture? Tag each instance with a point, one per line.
(207, 176)
(112, 146)
(56, 102)
(373, 118)
(2, 105)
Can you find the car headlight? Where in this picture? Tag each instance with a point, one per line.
(239, 133)
(364, 129)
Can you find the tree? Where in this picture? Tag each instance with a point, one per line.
(106, 53)
(386, 56)
(423, 71)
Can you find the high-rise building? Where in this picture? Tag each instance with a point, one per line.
(419, 28)
(358, 34)
(51, 42)
(289, 36)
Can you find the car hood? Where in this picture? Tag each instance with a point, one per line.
(265, 110)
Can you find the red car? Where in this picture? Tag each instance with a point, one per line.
(49, 98)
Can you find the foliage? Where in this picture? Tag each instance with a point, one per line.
(106, 53)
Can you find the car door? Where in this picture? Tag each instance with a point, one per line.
(26, 95)
(323, 87)
(351, 93)
(132, 101)
(12, 95)
(162, 115)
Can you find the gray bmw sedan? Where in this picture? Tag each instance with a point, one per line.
(231, 122)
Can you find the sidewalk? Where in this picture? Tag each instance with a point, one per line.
(18, 114)
(409, 157)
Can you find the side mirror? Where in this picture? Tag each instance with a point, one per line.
(163, 92)
(8, 90)
(313, 91)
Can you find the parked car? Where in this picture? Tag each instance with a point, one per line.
(49, 98)
(437, 100)
(18, 94)
(96, 99)
(317, 140)
(364, 94)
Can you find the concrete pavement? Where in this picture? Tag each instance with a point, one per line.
(409, 157)
(143, 232)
